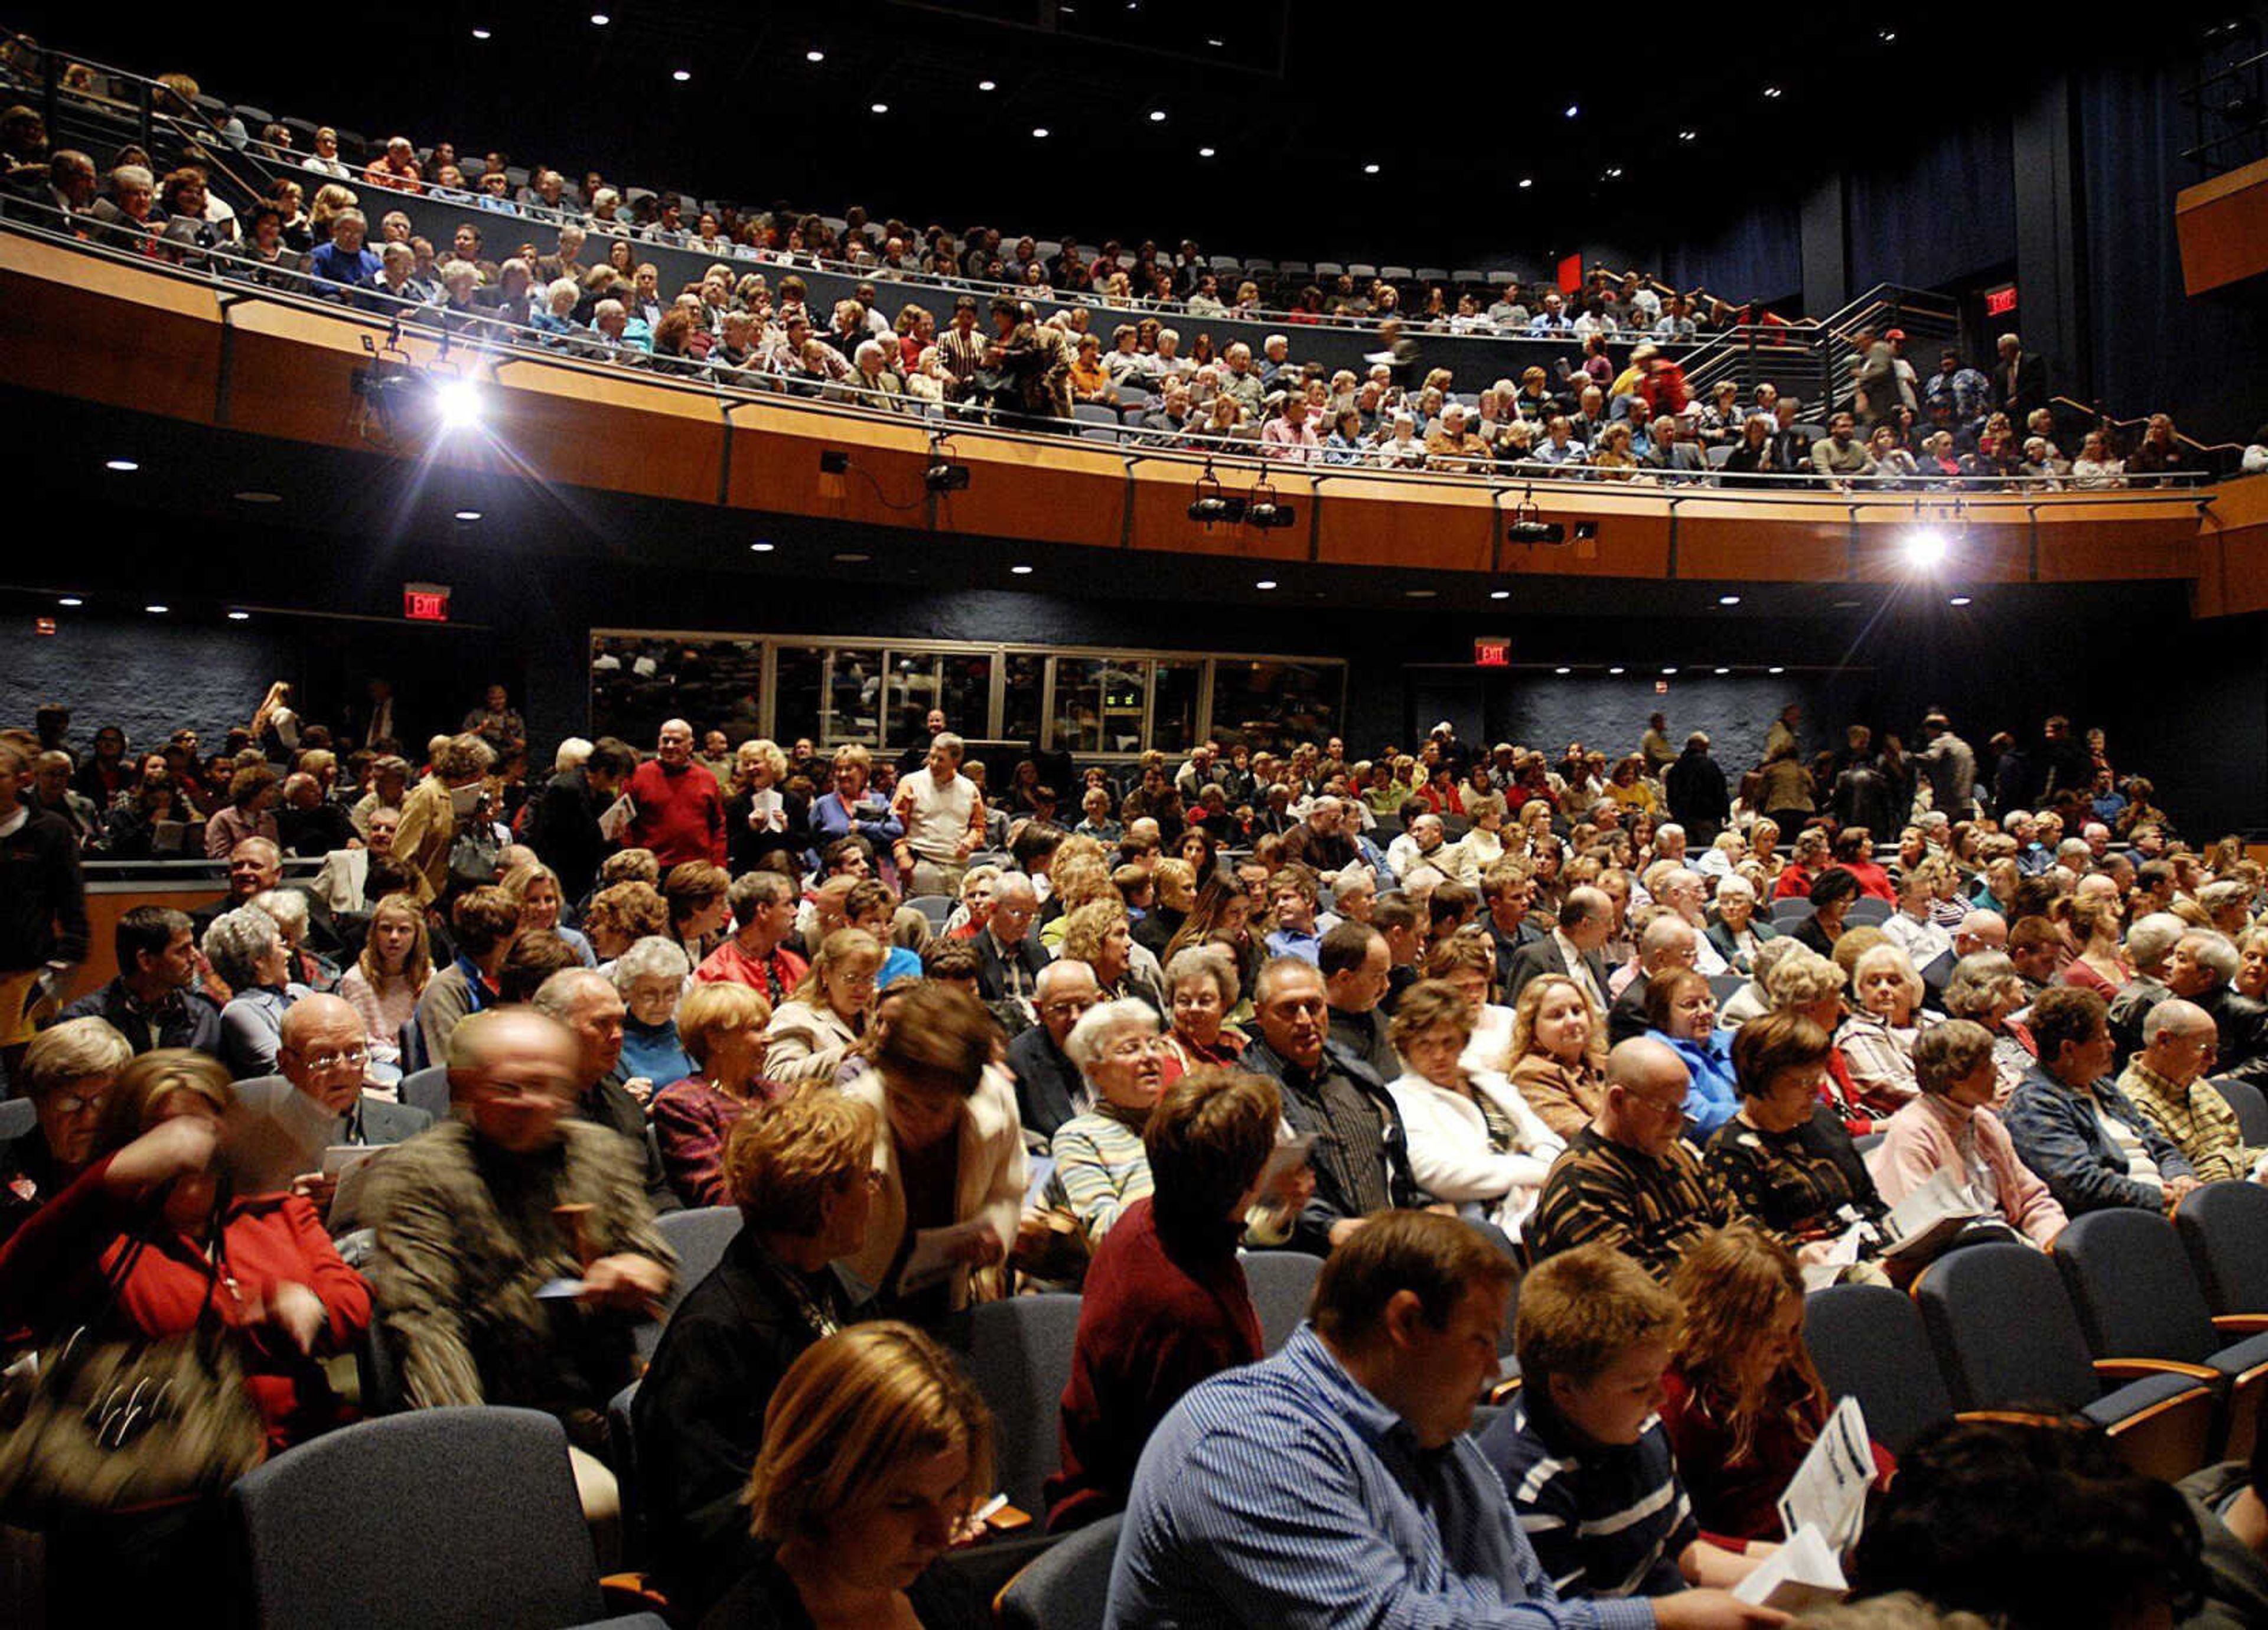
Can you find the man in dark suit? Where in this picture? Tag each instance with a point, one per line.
(1667, 942)
(564, 828)
(285, 1122)
(1791, 447)
(1049, 1088)
(2019, 381)
(1009, 955)
(1571, 948)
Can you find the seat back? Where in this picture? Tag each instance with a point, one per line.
(481, 1527)
(428, 1090)
(621, 1454)
(1018, 1352)
(2130, 1282)
(699, 1237)
(17, 1118)
(1869, 1343)
(1067, 1587)
(2251, 1107)
(1282, 1283)
(1990, 1358)
(2223, 1224)
(935, 907)
(1868, 911)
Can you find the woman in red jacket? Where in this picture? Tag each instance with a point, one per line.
(265, 1267)
(275, 1280)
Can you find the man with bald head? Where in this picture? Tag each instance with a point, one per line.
(1049, 1087)
(1586, 918)
(254, 865)
(587, 1004)
(2166, 1081)
(1628, 1178)
(678, 811)
(1979, 931)
(481, 1224)
(1322, 840)
(316, 1101)
(1420, 846)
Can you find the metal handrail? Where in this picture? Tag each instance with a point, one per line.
(524, 344)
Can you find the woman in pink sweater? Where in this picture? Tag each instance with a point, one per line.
(1949, 1127)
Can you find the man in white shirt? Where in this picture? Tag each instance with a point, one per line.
(944, 818)
(1421, 844)
(1909, 927)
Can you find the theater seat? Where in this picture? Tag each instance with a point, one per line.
(1282, 1283)
(447, 1519)
(699, 1236)
(1067, 1588)
(2223, 1226)
(1869, 1343)
(1018, 1352)
(2007, 1338)
(2143, 1312)
(2251, 1107)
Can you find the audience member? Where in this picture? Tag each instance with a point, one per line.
(67, 1071)
(2166, 1081)
(1474, 1141)
(1949, 1126)
(2073, 1127)
(153, 1001)
(722, 1027)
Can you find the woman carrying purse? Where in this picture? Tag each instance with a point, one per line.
(147, 1253)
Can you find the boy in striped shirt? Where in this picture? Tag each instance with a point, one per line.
(1582, 1450)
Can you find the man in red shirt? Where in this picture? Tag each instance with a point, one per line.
(763, 913)
(680, 814)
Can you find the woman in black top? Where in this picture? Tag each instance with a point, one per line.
(876, 1448)
(799, 1171)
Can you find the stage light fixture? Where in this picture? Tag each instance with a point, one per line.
(1926, 547)
(1264, 509)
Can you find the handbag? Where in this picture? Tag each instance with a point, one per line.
(474, 852)
(88, 1425)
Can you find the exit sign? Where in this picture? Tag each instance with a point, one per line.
(1492, 653)
(2000, 302)
(425, 603)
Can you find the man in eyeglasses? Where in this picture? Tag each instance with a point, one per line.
(316, 1102)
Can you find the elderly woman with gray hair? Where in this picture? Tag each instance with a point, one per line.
(246, 950)
(1100, 1161)
(1985, 986)
(1877, 1041)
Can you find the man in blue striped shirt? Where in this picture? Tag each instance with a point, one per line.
(1332, 1485)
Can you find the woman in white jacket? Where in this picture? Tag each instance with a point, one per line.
(1473, 1140)
(815, 1029)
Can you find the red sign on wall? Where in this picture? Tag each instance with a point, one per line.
(2000, 302)
(425, 603)
(1571, 275)
(1492, 653)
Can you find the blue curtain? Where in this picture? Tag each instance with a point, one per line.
(1755, 255)
(1946, 213)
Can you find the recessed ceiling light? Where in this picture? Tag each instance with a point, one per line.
(1614, 670)
(156, 611)
(879, 107)
(853, 559)
(1887, 35)
(1958, 600)
(1022, 571)
(761, 548)
(1614, 173)
(988, 84)
(1040, 132)
(479, 33)
(1370, 169)
(1420, 593)
(1689, 136)
(1573, 109)
(1724, 670)
(1157, 115)
(1204, 152)
(1563, 670)
(253, 496)
(70, 600)
(1499, 594)
(814, 57)
(1265, 583)
(600, 20)
(1669, 670)
(1771, 91)
(1775, 670)
(1728, 600)
(468, 514)
(239, 616)
(1527, 180)
(1215, 44)
(682, 74)
(124, 466)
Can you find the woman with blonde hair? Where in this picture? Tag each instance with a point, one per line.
(875, 1448)
(816, 1028)
(1558, 1053)
(389, 976)
(1745, 1402)
(2101, 965)
(535, 890)
(1877, 1039)
(761, 815)
(721, 1026)
(1803, 981)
